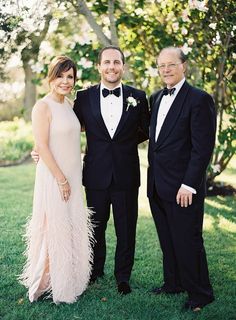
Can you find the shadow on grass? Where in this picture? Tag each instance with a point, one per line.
(221, 207)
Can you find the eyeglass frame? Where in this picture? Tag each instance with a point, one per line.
(170, 66)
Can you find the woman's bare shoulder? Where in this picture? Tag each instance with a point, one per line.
(41, 108)
(40, 104)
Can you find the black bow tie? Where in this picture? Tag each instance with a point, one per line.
(106, 92)
(167, 91)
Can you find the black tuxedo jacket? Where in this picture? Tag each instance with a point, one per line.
(185, 143)
(114, 158)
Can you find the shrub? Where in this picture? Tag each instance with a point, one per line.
(16, 141)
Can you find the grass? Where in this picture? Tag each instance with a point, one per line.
(101, 300)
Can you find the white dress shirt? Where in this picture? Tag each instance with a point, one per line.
(165, 105)
(164, 108)
(111, 109)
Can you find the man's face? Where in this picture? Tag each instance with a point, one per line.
(111, 68)
(170, 67)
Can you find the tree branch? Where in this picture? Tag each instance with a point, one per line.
(84, 10)
(114, 36)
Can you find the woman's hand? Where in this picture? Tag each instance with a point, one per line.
(35, 156)
(65, 190)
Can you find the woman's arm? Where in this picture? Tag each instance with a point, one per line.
(41, 118)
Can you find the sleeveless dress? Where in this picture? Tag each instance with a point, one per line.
(59, 234)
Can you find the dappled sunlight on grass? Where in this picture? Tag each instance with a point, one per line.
(218, 205)
(208, 222)
(211, 222)
(220, 214)
(228, 175)
(226, 224)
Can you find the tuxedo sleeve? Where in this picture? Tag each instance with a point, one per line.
(202, 131)
(151, 102)
(143, 130)
(77, 109)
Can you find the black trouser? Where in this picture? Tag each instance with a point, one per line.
(125, 211)
(180, 235)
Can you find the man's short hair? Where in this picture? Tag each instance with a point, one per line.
(111, 47)
(180, 52)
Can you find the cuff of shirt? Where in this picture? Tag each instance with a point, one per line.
(188, 188)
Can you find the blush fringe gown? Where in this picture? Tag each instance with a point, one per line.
(59, 234)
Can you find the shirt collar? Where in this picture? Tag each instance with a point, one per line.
(178, 86)
(103, 86)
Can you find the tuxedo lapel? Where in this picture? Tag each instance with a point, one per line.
(153, 121)
(172, 115)
(94, 97)
(126, 93)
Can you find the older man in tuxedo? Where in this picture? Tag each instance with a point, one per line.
(182, 136)
(116, 119)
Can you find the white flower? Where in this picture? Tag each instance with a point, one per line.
(216, 168)
(185, 14)
(131, 102)
(145, 83)
(2, 34)
(186, 48)
(175, 26)
(190, 41)
(85, 63)
(184, 31)
(79, 74)
(217, 39)
(199, 5)
(138, 11)
(152, 72)
(212, 26)
(37, 67)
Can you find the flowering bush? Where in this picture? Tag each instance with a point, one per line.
(16, 141)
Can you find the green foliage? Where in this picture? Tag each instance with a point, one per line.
(16, 141)
(85, 56)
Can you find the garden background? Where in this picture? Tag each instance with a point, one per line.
(31, 34)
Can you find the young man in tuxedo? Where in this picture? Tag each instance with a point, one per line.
(182, 136)
(116, 119)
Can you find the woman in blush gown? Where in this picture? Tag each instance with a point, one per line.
(59, 233)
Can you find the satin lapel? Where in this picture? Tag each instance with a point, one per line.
(153, 121)
(173, 114)
(94, 97)
(126, 93)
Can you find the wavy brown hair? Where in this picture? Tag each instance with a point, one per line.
(60, 64)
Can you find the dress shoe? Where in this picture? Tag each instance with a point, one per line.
(123, 287)
(160, 290)
(196, 306)
(93, 279)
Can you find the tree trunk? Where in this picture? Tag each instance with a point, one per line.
(30, 91)
(30, 53)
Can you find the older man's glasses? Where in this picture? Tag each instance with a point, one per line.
(169, 66)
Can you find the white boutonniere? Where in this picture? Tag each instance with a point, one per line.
(131, 102)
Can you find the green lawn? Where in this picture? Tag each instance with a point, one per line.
(16, 189)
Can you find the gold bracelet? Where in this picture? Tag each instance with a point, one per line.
(62, 183)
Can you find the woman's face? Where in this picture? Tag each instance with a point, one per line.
(64, 83)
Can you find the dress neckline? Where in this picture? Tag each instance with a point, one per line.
(60, 103)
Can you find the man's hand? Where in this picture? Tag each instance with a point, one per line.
(35, 156)
(184, 197)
